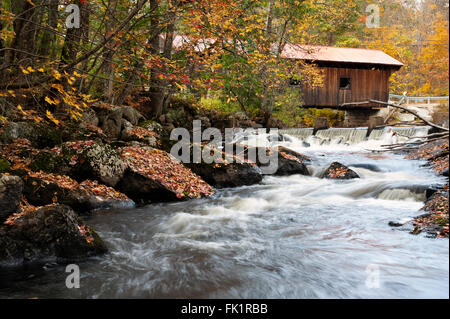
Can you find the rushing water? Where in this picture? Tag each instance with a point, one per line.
(289, 237)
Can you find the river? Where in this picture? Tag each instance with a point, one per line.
(288, 237)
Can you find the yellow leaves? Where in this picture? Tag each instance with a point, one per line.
(56, 75)
(28, 70)
(51, 117)
(58, 87)
(21, 110)
(24, 71)
(51, 101)
(31, 2)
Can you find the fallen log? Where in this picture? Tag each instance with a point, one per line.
(413, 113)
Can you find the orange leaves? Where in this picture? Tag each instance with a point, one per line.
(85, 231)
(161, 167)
(61, 180)
(25, 208)
(338, 172)
(103, 191)
(437, 219)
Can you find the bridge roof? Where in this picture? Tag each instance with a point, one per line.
(308, 52)
(338, 54)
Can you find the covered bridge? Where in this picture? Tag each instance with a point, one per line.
(350, 76)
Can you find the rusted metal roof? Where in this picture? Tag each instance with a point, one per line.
(337, 54)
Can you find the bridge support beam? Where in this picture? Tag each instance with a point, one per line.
(359, 117)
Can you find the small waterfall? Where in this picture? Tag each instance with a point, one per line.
(299, 133)
(353, 136)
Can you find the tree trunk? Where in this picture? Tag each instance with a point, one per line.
(73, 36)
(25, 27)
(48, 40)
(108, 69)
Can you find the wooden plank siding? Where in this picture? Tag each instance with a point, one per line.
(365, 84)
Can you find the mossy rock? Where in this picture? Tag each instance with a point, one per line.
(50, 163)
(40, 135)
(5, 166)
(53, 232)
(99, 162)
(152, 126)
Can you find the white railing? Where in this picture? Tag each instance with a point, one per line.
(418, 99)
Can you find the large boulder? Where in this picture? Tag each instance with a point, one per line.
(110, 120)
(51, 233)
(10, 195)
(338, 171)
(50, 162)
(42, 189)
(155, 176)
(227, 175)
(40, 135)
(290, 162)
(95, 161)
(132, 115)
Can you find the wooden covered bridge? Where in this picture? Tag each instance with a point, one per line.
(351, 76)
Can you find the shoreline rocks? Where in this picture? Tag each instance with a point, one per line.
(10, 195)
(53, 232)
(44, 189)
(154, 175)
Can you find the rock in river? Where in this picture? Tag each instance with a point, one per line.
(51, 233)
(339, 171)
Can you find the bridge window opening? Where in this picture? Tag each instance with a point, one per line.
(345, 84)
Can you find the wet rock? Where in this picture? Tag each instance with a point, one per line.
(155, 176)
(43, 189)
(339, 171)
(289, 165)
(301, 157)
(445, 172)
(10, 195)
(275, 138)
(395, 224)
(99, 161)
(49, 233)
(289, 162)
(228, 175)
